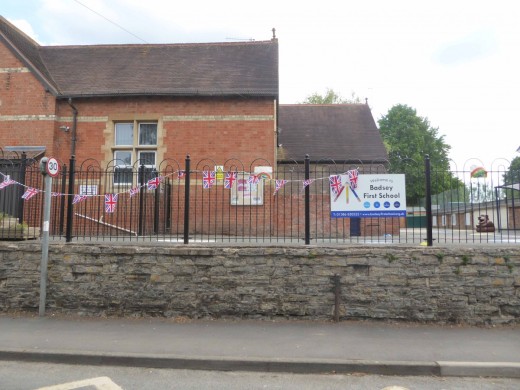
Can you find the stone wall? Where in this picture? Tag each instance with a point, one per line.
(479, 285)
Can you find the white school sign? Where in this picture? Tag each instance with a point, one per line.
(376, 196)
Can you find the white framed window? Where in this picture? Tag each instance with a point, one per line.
(135, 144)
(453, 219)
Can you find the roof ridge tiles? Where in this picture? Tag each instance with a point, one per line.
(144, 45)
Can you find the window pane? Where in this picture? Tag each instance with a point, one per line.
(147, 158)
(123, 175)
(124, 134)
(122, 158)
(147, 133)
(149, 173)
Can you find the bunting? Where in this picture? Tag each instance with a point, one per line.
(353, 178)
(29, 193)
(253, 179)
(208, 179)
(79, 198)
(229, 179)
(154, 183)
(134, 191)
(335, 184)
(7, 182)
(110, 203)
(279, 184)
(307, 183)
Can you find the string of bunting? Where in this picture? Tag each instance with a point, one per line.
(209, 179)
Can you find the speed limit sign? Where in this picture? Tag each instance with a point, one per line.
(52, 167)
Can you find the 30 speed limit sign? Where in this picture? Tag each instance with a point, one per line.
(53, 167)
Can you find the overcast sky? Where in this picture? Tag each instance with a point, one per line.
(457, 62)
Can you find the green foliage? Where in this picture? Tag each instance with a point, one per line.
(439, 256)
(390, 257)
(408, 139)
(330, 97)
(512, 176)
(465, 260)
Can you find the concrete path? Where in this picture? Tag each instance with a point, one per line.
(271, 346)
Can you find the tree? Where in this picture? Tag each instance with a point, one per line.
(330, 97)
(512, 176)
(408, 138)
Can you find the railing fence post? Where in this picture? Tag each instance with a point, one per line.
(156, 213)
(70, 211)
(21, 203)
(307, 201)
(187, 201)
(429, 217)
(62, 200)
(142, 192)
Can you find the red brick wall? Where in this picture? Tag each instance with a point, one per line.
(22, 95)
(202, 137)
(242, 128)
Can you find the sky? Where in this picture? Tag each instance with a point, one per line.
(456, 62)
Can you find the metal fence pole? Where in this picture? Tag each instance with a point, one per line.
(142, 193)
(307, 201)
(70, 211)
(187, 201)
(21, 203)
(156, 214)
(62, 201)
(429, 217)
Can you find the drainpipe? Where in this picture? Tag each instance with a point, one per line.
(72, 167)
(74, 126)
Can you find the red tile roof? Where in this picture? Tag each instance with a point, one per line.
(342, 132)
(200, 69)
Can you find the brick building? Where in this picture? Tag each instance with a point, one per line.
(123, 106)
(138, 103)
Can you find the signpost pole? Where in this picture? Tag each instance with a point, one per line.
(45, 236)
(49, 167)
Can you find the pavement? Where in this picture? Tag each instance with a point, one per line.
(260, 345)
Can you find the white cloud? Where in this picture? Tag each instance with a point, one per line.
(26, 27)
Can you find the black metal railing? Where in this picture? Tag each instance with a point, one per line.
(284, 203)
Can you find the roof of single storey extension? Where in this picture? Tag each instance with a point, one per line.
(341, 132)
(193, 69)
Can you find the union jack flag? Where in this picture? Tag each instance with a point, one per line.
(134, 191)
(253, 179)
(29, 193)
(279, 184)
(335, 184)
(230, 179)
(56, 194)
(154, 183)
(7, 182)
(110, 203)
(208, 179)
(79, 198)
(353, 177)
(181, 174)
(307, 183)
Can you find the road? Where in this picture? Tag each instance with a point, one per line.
(32, 376)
